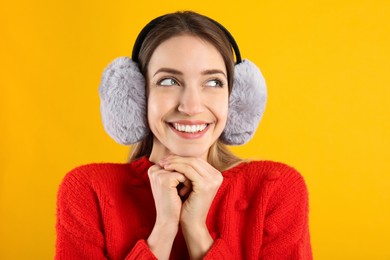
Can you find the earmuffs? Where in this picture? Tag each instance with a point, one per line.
(123, 103)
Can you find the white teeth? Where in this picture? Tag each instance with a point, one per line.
(189, 128)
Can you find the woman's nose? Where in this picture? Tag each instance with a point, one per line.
(191, 102)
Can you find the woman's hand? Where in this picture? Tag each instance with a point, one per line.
(205, 181)
(168, 206)
(164, 188)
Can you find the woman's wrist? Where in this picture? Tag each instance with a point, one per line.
(198, 240)
(161, 239)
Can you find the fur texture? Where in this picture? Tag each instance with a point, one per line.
(123, 103)
(246, 104)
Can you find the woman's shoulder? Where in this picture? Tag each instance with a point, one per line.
(268, 169)
(93, 170)
(103, 172)
(267, 173)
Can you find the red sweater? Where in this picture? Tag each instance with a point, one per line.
(106, 211)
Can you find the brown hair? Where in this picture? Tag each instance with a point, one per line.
(188, 23)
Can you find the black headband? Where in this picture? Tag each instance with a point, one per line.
(142, 35)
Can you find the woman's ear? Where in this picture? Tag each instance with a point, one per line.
(123, 101)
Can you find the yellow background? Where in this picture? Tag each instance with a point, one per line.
(327, 68)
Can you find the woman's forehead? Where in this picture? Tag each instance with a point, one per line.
(186, 53)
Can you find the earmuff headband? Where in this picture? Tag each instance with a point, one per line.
(145, 31)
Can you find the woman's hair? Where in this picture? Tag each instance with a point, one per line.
(188, 23)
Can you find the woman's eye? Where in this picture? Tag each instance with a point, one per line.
(214, 83)
(167, 82)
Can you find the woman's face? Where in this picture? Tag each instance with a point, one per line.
(187, 97)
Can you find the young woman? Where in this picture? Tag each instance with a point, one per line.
(183, 194)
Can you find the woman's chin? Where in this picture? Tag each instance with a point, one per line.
(183, 149)
(190, 153)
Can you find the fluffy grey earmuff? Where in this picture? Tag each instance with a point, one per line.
(246, 104)
(123, 101)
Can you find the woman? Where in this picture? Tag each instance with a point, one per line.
(183, 194)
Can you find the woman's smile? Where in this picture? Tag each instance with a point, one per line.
(189, 129)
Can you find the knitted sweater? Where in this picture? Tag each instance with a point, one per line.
(107, 211)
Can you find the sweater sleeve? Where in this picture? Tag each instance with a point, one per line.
(79, 228)
(219, 250)
(286, 231)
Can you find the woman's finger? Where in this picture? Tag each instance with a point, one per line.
(184, 169)
(202, 167)
(186, 189)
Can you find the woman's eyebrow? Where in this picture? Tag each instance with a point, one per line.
(214, 71)
(168, 70)
(177, 72)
